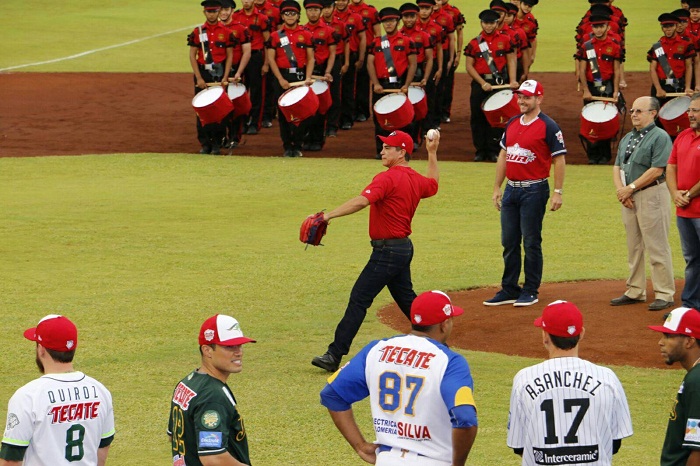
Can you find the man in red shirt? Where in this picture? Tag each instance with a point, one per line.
(426, 23)
(325, 44)
(384, 75)
(210, 59)
(370, 19)
(259, 27)
(678, 53)
(357, 39)
(602, 54)
(530, 143)
(393, 197)
(683, 179)
(291, 41)
(490, 61)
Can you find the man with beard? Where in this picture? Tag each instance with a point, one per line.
(679, 343)
(62, 417)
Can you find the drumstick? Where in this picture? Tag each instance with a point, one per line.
(501, 86)
(603, 99)
(213, 84)
(416, 84)
(675, 94)
(392, 91)
(297, 84)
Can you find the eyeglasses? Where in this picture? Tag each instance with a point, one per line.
(637, 110)
(290, 13)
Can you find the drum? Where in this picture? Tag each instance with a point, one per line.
(500, 107)
(673, 115)
(298, 103)
(419, 101)
(240, 98)
(323, 92)
(394, 111)
(212, 105)
(599, 121)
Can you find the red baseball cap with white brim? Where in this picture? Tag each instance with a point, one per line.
(54, 332)
(222, 330)
(530, 88)
(433, 307)
(399, 139)
(561, 319)
(680, 321)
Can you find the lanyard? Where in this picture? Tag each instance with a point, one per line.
(634, 142)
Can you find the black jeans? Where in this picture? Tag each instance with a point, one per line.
(388, 266)
(254, 81)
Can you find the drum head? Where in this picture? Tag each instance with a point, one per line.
(498, 100)
(292, 96)
(599, 112)
(207, 97)
(675, 108)
(390, 103)
(319, 87)
(415, 94)
(236, 90)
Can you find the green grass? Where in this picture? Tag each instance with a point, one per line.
(139, 249)
(66, 28)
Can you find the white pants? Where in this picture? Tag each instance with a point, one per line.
(399, 457)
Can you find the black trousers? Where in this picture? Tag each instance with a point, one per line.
(486, 138)
(442, 87)
(316, 125)
(291, 134)
(388, 266)
(211, 135)
(333, 116)
(347, 92)
(362, 88)
(254, 81)
(270, 106)
(448, 92)
(432, 120)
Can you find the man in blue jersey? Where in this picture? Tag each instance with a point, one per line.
(421, 393)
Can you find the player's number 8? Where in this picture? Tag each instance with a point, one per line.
(75, 442)
(390, 391)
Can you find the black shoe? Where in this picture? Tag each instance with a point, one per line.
(215, 150)
(592, 162)
(445, 119)
(327, 362)
(251, 130)
(233, 144)
(267, 124)
(660, 304)
(360, 118)
(288, 153)
(314, 147)
(205, 150)
(331, 133)
(346, 126)
(493, 158)
(297, 153)
(624, 300)
(479, 158)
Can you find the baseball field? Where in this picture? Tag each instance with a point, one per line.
(139, 248)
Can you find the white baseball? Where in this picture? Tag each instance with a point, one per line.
(432, 134)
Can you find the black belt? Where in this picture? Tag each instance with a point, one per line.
(257, 51)
(655, 183)
(378, 243)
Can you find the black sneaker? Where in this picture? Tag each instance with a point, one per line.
(346, 126)
(267, 124)
(252, 130)
(297, 153)
(205, 150)
(360, 118)
(500, 299)
(289, 153)
(215, 150)
(331, 133)
(327, 362)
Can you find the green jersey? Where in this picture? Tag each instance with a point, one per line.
(204, 420)
(683, 431)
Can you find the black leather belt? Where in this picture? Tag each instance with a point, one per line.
(378, 243)
(257, 51)
(655, 183)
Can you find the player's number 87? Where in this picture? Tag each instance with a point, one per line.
(391, 391)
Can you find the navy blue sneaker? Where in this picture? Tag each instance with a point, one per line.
(525, 299)
(500, 299)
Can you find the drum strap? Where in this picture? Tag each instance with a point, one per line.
(634, 142)
(287, 47)
(388, 59)
(592, 59)
(206, 51)
(486, 55)
(665, 65)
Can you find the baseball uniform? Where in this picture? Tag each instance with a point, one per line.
(567, 411)
(682, 433)
(204, 420)
(419, 391)
(58, 419)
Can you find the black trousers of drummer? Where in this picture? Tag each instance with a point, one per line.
(378, 130)
(333, 116)
(432, 119)
(291, 134)
(680, 87)
(416, 128)
(362, 88)
(347, 93)
(212, 135)
(600, 152)
(254, 81)
(315, 137)
(441, 90)
(447, 92)
(486, 138)
(234, 126)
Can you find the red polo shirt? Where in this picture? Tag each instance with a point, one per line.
(393, 196)
(218, 38)
(607, 52)
(272, 12)
(339, 34)
(529, 25)
(677, 50)
(401, 47)
(435, 31)
(323, 37)
(422, 41)
(353, 26)
(453, 11)
(256, 23)
(448, 26)
(369, 16)
(239, 36)
(499, 45)
(300, 40)
(685, 155)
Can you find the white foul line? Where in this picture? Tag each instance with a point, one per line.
(102, 49)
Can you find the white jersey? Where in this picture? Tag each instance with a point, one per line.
(61, 419)
(567, 411)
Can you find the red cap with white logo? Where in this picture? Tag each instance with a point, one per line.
(530, 88)
(54, 332)
(681, 321)
(222, 330)
(433, 307)
(561, 319)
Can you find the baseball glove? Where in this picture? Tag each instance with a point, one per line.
(312, 229)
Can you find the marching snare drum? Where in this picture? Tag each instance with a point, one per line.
(323, 92)
(298, 103)
(240, 98)
(673, 116)
(419, 100)
(500, 107)
(394, 111)
(212, 105)
(599, 121)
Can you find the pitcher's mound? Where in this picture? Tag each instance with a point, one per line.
(614, 334)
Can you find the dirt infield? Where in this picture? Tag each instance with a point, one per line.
(100, 113)
(614, 335)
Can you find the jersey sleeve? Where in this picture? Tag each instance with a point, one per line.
(20, 420)
(211, 425)
(457, 390)
(378, 188)
(516, 417)
(661, 150)
(622, 420)
(555, 138)
(108, 420)
(691, 397)
(348, 384)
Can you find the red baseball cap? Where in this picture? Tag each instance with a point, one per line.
(681, 321)
(433, 307)
(54, 332)
(561, 318)
(222, 330)
(399, 139)
(530, 88)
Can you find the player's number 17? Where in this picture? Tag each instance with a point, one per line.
(392, 390)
